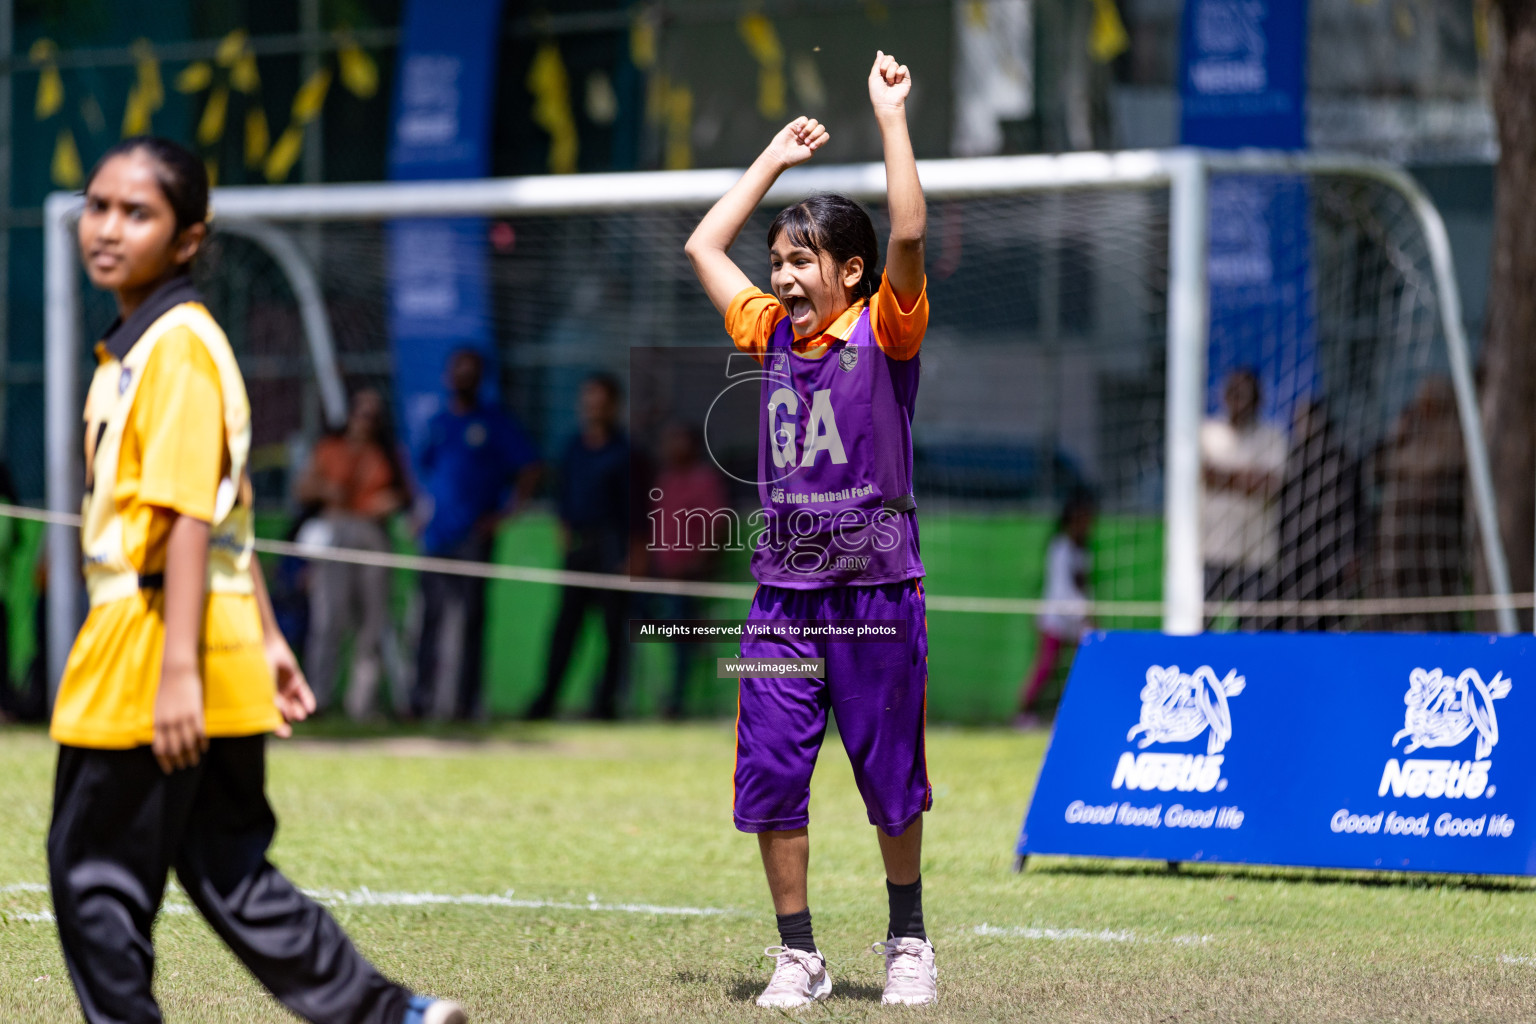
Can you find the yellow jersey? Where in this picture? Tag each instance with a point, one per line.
(167, 433)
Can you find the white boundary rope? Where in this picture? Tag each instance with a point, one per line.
(1371, 606)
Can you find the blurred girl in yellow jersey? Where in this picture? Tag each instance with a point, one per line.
(179, 672)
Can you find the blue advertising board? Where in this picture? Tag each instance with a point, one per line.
(439, 288)
(1399, 752)
(1243, 74)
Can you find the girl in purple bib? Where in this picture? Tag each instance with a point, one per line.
(837, 559)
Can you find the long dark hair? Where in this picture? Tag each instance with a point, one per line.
(836, 225)
(182, 178)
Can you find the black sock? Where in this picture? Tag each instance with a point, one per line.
(795, 930)
(906, 910)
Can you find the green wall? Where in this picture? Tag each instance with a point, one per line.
(21, 544)
(976, 661)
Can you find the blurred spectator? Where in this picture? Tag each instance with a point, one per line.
(1321, 505)
(288, 585)
(594, 494)
(10, 702)
(686, 485)
(24, 699)
(356, 479)
(1068, 565)
(1422, 473)
(478, 465)
(1243, 460)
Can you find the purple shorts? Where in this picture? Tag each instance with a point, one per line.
(878, 692)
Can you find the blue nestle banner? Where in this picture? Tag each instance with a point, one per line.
(1242, 74)
(1402, 752)
(1263, 292)
(1243, 82)
(439, 292)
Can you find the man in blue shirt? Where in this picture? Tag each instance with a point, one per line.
(477, 465)
(594, 495)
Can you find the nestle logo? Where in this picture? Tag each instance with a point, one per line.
(1435, 778)
(1445, 711)
(1186, 773)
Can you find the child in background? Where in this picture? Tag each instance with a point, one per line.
(1068, 565)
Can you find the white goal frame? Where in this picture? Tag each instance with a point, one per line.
(1185, 172)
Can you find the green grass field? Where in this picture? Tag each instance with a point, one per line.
(568, 823)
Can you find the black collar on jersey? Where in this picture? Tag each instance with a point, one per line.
(123, 333)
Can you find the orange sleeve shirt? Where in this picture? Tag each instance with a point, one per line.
(171, 461)
(754, 314)
(363, 472)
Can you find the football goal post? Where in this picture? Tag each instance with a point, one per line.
(1090, 312)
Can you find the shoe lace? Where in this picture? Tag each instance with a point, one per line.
(787, 959)
(903, 961)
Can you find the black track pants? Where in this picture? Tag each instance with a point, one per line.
(120, 825)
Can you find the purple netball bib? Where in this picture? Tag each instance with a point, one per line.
(834, 465)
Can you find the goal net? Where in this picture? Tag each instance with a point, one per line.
(1332, 467)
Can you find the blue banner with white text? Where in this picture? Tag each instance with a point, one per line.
(1400, 752)
(439, 291)
(1243, 74)
(1263, 302)
(1243, 84)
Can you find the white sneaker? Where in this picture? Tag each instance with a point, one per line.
(911, 979)
(427, 1010)
(443, 1011)
(799, 978)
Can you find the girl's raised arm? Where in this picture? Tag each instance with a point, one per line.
(709, 246)
(889, 83)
